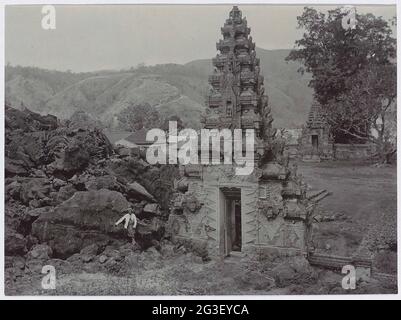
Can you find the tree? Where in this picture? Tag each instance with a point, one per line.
(140, 116)
(367, 111)
(177, 119)
(353, 73)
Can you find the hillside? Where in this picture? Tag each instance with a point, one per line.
(171, 88)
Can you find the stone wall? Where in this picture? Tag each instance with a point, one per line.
(269, 222)
(353, 151)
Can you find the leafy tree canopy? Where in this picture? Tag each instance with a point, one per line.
(353, 74)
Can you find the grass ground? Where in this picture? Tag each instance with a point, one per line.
(366, 196)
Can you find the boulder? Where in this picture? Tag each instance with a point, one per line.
(92, 249)
(58, 183)
(34, 189)
(138, 191)
(28, 121)
(104, 182)
(89, 252)
(73, 150)
(74, 158)
(26, 150)
(12, 189)
(274, 170)
(29, 216)
(86, 218)
(152, 209)
(14, 214)
(13, 268)
(123, 152)
(41, 252)
(149, 182)
(111, 252)
(294, 270)
(15, 167)
(15, 243)
(64, 193)
(149, 233)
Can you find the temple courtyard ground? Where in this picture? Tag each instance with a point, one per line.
(361, 210)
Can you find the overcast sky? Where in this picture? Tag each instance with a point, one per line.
(90, 38)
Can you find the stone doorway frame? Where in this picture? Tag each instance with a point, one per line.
(315, 143)
(228, 222)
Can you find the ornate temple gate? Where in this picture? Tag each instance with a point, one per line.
(213, 207)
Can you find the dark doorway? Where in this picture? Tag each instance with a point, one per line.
(315, 143)
(230, 220)
(237, 240)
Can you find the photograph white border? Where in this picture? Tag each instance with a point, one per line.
(3, 3)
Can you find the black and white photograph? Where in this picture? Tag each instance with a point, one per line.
(193, 149)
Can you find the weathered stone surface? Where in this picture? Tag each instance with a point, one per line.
(40, 141)
(274, 171)
(64, 193)
(34, 189)
(72, 159)
(12, 189)
(14, 268)
(157, 181)
(92, 249)
(124, 152)
(149, 232)
(26, 219)
(104, 182)
(40, 251)
(58, 183)
(28, 121)
(15, 243)
(26, 149)
(112, 252)
(292, 271)
(152, 209)
(15, 167)
(138, 190)
(34, 213)
(102, 259)
(87, 217)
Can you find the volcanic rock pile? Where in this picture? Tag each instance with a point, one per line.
(65, 188)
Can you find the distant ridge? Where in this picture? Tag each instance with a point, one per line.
(173, 89)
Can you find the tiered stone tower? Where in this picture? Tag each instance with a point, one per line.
(315, 117)
(237, 99)
(222, 212)
(315, 142)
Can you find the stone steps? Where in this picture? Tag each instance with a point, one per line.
(317, 196)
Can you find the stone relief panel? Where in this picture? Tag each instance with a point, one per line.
(210, 210)
(189, 226)
(249, 212)
(281, 233)
(225, 174)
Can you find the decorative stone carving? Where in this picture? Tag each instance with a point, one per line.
(191, 204)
